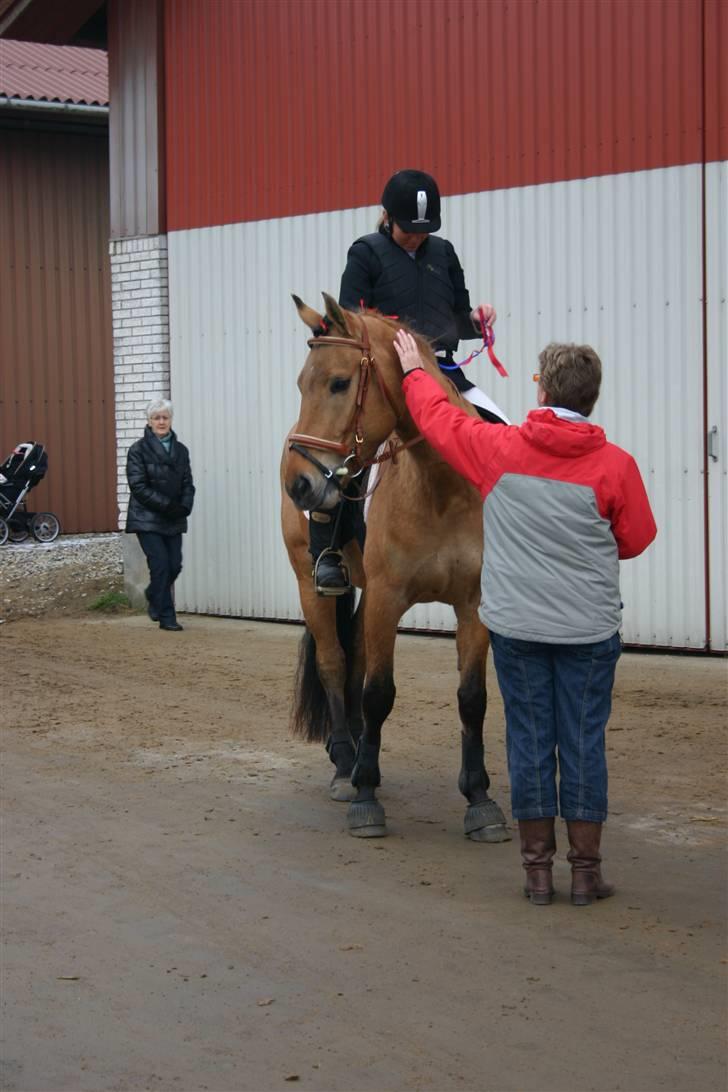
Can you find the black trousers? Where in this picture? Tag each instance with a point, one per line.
(164, 558)
(346, 522)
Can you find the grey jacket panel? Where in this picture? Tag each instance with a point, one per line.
(560, 584)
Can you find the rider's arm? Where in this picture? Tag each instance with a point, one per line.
(359, 277)
(463, 321)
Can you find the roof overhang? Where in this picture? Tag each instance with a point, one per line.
(72, 22)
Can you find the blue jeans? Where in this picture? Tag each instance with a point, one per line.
(557, 700)
(164, 558)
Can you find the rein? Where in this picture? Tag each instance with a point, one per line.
(488, 343)
(300, 442)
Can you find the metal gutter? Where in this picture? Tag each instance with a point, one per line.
(73, 108)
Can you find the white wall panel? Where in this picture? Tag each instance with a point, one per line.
(613, 261)
(716, 224)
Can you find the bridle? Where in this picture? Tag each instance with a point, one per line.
(301, 443)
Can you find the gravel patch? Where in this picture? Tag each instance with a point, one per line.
(61, 577)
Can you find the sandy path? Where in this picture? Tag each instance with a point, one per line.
(183, 908)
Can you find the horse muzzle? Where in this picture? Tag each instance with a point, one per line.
(310, 491)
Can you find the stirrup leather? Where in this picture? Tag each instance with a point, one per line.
(344, 569)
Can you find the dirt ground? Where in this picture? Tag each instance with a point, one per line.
(184, 909)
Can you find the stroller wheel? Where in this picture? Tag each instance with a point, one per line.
(45, 527)
(17, 534)
(4, 532)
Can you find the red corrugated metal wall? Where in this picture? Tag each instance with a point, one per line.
(278, 109)
(56, 372)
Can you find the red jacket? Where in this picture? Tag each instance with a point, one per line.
(561, 505)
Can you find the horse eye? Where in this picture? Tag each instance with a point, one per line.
(338, 385)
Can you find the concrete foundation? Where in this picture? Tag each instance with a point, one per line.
(136, 573)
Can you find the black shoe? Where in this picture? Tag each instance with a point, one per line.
(150, 609)
(330, 576)
(174, 627)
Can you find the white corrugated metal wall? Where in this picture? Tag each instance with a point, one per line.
(615, 261)
(716, 231)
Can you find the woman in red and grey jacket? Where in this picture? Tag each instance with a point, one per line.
(561, 507)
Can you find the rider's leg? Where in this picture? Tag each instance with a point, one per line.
(329, 575)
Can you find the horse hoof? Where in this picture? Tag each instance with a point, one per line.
(486, 823)
(342, 789)
(366, 819)
(368, 832)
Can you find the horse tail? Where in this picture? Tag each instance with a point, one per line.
(311, 718)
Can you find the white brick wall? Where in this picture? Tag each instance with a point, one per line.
(140, 318)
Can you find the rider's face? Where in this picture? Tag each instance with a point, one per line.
(408, 240)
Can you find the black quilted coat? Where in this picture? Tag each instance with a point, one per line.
(162, 492)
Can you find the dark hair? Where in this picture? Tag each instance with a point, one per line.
(570, 376)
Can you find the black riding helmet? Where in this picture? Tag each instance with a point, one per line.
(412, 200)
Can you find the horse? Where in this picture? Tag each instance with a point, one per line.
(424, 543)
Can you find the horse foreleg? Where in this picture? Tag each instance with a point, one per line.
(331, 669)
(484, 820)
(366, 816)
(355, 673)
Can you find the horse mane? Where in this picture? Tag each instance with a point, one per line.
(428, 357)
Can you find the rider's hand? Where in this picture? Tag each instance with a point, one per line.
(488, 314)
(407, 351)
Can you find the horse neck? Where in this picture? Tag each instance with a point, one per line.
(424, 461)
(422, 454)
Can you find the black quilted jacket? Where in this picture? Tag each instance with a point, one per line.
(162, 492)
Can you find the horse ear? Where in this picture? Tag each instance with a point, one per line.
(312, 318)
(336, 315)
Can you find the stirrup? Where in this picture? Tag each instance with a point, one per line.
(345, 588)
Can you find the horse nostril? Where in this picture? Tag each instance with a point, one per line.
(300, 489)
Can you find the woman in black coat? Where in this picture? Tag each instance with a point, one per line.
(162, 494)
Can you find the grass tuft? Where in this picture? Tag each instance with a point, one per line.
(111, 602)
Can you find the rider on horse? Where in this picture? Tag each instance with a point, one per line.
(403, 270)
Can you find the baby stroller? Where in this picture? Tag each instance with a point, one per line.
(20, 473)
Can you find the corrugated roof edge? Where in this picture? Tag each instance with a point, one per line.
(45, 73)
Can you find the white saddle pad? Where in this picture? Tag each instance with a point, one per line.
(480, 398)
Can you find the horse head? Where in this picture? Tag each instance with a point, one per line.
(351, 402)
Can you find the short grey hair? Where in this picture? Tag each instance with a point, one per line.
(159, 405)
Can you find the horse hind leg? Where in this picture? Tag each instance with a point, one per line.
(484, 819)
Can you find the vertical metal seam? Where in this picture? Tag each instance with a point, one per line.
(704, 271)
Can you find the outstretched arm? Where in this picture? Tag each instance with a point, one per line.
(465, 442)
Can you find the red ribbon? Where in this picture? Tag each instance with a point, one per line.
(489, 339)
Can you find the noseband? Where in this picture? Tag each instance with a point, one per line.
(302, 443)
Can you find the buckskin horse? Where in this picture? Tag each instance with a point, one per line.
(424, 542)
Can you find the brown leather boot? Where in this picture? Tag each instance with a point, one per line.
(538, 845)
(587, 884)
